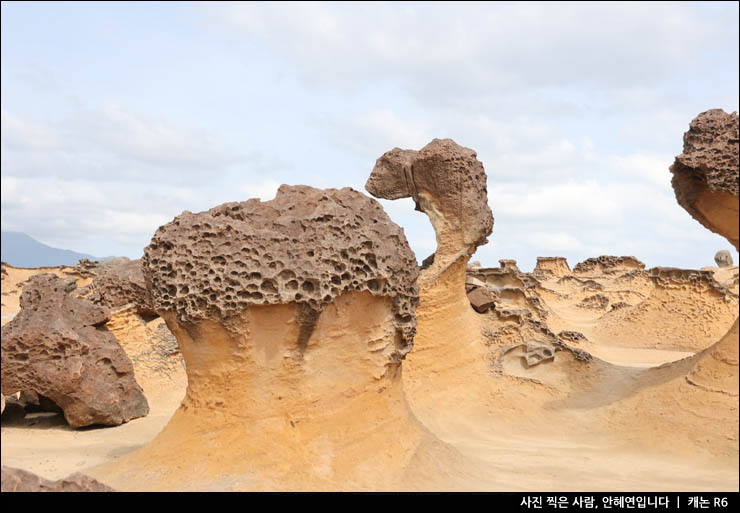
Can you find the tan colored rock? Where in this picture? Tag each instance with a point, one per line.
(509, 265)
(58, 347)
(18, 480)
(608, 263)
(555, 266)
(293, 316)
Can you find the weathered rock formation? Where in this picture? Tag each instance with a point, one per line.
(705, 180)
(509, 265)
(551, 266)
(18, 480)
(705, 175)
(723, 258)
(120, 285)
(606, 264)
(293, 316)
(448, 184)
(58, 347)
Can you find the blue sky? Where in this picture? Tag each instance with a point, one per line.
(116, 117)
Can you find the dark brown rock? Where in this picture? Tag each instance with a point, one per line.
(481, 299)
(448, 183)
(705, 175)
(18, 480)
(306, 246)
(120, 285)
(58, 346)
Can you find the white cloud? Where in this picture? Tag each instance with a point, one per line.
(454, 50)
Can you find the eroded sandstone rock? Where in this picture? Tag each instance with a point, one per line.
(723, 258)
(705, 175)
(18, 480)
(292, 316)
(57, 346)
(705, 180)
(551, 266)
(122, 284)
(481, 299)
(606, 263)
(448, 184)
(307, 246)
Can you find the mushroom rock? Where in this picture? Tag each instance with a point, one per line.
(293, 317)
(57, 346)
(448, 184)
(705, 180)
(723, 258)
(19, 480)
(705, 175)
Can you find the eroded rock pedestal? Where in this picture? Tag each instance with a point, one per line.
(705, 180)
(293, 317)
(448, 184)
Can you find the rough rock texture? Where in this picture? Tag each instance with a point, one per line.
(306, 246)
(723, 258)
(17, 480)
(509, 265)
(481, 299)
(705, 175)
(604, 263)
(122, 284)
(556, 266)
(57, 346)
(448, 183)
(292, 316)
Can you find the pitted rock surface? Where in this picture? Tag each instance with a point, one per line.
(122, 284)
(18, 480)
(710, 150)
(705, 175)
(306, 246)
(444, 179)
(723, 258)
(57, 346)
(674, 275)
(607, 262)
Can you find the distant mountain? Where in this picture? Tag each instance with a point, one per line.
(20, 250)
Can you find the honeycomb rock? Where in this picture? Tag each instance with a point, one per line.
(122, 284)
(705, 175)
(57, 346)
(307, 246)
(605, 262)
(448, 183)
